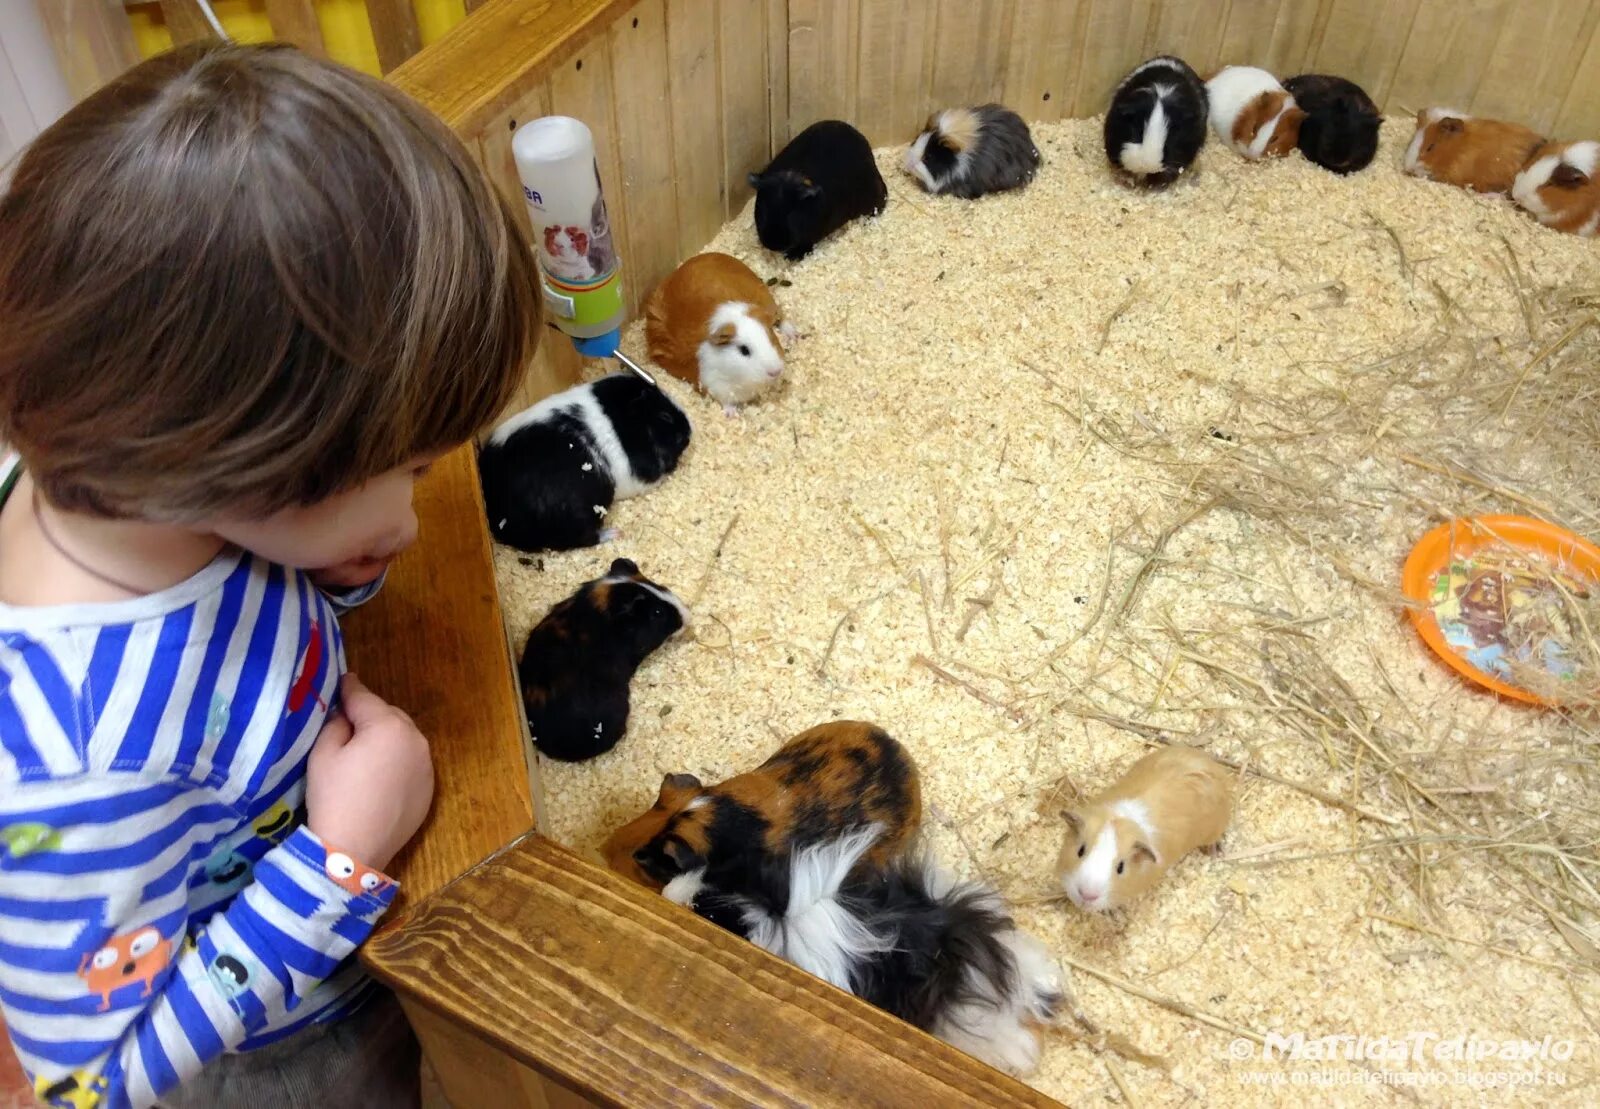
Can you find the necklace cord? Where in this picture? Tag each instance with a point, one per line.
(49, 537)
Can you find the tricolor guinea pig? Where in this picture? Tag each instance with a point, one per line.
(579, 661)
(821, 181)
(714, 323)
(1121, 842)
(1253, 113)
(1559, 186)
(822, 784)
(1156, 124)
(942, 954)
(1479, 154)
(1340, 130)
(551, 472)
(968, 152)
(566, 252)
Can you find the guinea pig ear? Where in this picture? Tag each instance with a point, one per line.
(755, 180)
(1142, 850)
(1074, 821)
(1450, 125)
(623, 568)
(723, 335)
(1568, 176)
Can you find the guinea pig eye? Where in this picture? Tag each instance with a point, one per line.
(1080, 850)
(744, 349)
(1121, 866)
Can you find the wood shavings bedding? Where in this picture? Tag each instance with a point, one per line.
(1064, 472)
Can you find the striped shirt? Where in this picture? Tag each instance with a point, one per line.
(161, 902)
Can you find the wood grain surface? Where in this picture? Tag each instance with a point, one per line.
(625, 999)
(433, 642)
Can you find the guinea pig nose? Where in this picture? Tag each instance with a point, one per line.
(775, 373)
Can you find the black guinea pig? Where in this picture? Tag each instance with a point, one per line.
(1156, 124)
(821, 181)
(551, 472)
(577, 664)
(1340, 131)
(968, 152)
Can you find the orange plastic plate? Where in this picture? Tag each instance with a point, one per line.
(1458, 539)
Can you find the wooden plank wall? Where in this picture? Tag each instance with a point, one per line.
(678, 95)
(885, 64)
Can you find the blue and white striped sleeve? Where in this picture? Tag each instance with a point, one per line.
(102, 986)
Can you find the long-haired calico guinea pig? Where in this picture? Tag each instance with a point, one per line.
(968, 152)
(1483, 155)
(1559, 186)
(1340, 131)
(831, 778)
(1123, 840)
(941, 954)
(551, 472)
(580, 659)
(1253, 113)
(1156, 124)
(821, 181)
(714, 323)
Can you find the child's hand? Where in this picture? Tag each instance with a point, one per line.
(369, 779)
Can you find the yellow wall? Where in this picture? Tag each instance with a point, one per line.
(345, 29)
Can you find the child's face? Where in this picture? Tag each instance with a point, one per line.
(348, 539)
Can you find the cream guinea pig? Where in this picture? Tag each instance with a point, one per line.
(1253, 113)
(1483, 155)
(1560, 187)
(1122, 841)
(714, 323)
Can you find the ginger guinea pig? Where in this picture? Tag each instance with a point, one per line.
(1560, 188)
(1122, 841)
(1253, 113)
(1479, 154)
(714, 323)
(823, 783)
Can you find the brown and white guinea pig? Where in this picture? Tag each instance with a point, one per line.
(579, 661)
(1340, 131)
(823, 783)
(1253, 113)
(715, 324)
(1123, 840)
(1156, 124)
(1560, 186)
(968, 152)
(822, 180)
(1479, 154)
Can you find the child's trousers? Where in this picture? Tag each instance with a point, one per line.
(370, 1060)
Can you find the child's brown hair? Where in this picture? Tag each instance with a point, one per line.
(238, 279)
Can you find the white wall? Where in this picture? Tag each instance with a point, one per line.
(33, 91)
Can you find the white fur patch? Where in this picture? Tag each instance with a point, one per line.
(1258, 145)
(1153, 63)
(698, 803)
(1147, 155)
(683, 889)
(671, 599)
(1583, 156)
(1137, 813)
(727, 373)
(579, 402)
(913, 162)
(1525, 189)
(818, 934)
(994, 1025)
(1094, 872)
(1590, 226)
(1412, 163)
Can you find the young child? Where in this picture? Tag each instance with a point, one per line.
(245, 298)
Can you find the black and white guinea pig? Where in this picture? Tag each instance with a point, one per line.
(1340, 131)
(821, 181)
(579, 661)
(968, 152)
(938, 953)
(551, 472)
(1156, 124)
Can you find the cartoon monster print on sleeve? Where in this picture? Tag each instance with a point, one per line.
(22, 840)
(353, 877)
(132, 958)
(275, 824)
(77, 1090)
